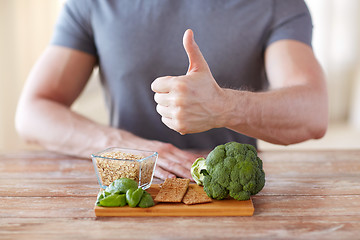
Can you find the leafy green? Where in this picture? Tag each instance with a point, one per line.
(133, 197)
(121, 185)
(146, 200)
(114, 200)
(124, 191)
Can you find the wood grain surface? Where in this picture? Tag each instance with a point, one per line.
(308, 195)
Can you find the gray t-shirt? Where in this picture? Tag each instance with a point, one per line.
(136, 41)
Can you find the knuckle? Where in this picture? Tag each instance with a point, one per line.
(164, 78)
(178, 114)
(163, 119)
(180, 86)
(158, 108)
(178, 101)
(171, 164)
(155, 83)
(180, 126)
(153, 87)
(156, 97)
(160, 173)
(167, 147)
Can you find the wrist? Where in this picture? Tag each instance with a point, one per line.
(235, 108)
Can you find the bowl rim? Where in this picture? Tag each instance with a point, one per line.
(97, 154)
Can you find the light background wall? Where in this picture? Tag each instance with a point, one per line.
(26, 27)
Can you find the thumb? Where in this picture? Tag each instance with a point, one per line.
(196, 60)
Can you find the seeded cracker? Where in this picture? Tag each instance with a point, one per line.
(195, 194)
(172, 190)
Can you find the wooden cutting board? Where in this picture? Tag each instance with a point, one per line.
(226, 207)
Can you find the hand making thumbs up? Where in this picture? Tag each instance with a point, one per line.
(193, 102)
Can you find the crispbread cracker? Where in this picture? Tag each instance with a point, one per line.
(172, 190)
(195, 194)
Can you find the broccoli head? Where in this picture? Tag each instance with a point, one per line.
(213, 189)
(231, 169)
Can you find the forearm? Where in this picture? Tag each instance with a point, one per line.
(44, 115)
(57, 128)
(284, 116)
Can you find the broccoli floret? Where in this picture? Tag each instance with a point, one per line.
(231, 169)
(221, 175)
(229, 162)
(213, 189)
(216, 156)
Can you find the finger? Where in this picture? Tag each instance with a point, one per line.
(162, 174)
(174, 168)
(164, 111)
(175, 125)
(187, 158)
(187, 163)
(196, 59)
(162, 84)
(162, 99)
(169, 122)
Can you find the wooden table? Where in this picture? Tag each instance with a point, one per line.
(308, 195)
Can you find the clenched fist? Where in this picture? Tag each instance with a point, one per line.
(193, 102)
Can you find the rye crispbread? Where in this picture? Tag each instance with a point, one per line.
(172, 190)
(195, 194)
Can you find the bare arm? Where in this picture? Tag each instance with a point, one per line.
(294, 110)
(44, 115)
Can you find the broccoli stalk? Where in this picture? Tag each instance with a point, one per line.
(196, 169)
(231, 169)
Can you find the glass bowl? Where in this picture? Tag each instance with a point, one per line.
(114, 163)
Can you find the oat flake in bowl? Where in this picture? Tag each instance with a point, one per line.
(115, 163)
